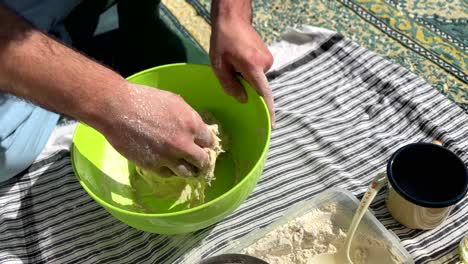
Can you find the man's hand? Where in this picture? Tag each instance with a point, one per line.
(158, 130)
(155, 129)
(237, 48)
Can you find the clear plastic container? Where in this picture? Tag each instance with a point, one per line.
(463, 250)
(369, 223)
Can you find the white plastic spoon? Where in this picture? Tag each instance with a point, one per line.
(343, 256)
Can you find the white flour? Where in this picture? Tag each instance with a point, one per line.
(315, 233)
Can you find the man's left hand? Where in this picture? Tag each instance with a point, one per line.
(237, 48)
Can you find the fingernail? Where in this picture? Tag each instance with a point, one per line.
(230, 92)
(242, 97)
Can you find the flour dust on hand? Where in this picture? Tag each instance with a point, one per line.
(187, 191)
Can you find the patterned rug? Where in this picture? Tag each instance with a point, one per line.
(428, 37)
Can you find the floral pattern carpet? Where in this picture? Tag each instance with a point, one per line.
(428, 37)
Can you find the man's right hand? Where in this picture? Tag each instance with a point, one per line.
(155, 129)
(158, 131)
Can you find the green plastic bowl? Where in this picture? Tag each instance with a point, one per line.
(104, 174)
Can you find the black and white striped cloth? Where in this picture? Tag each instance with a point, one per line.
(341, 112)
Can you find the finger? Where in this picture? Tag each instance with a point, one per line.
(202, 134)
(228, 80)
(204, 138)
(259, 81)
(197, 157)
(182, 168)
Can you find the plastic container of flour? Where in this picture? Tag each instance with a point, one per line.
(369, 226)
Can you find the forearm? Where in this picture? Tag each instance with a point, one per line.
(35, 67)
(231, 9)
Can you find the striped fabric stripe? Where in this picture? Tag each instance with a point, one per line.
(341, 112)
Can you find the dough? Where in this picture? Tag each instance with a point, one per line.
(189, 191)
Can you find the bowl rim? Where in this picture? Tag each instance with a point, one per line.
(185, 211)
(409, 197)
